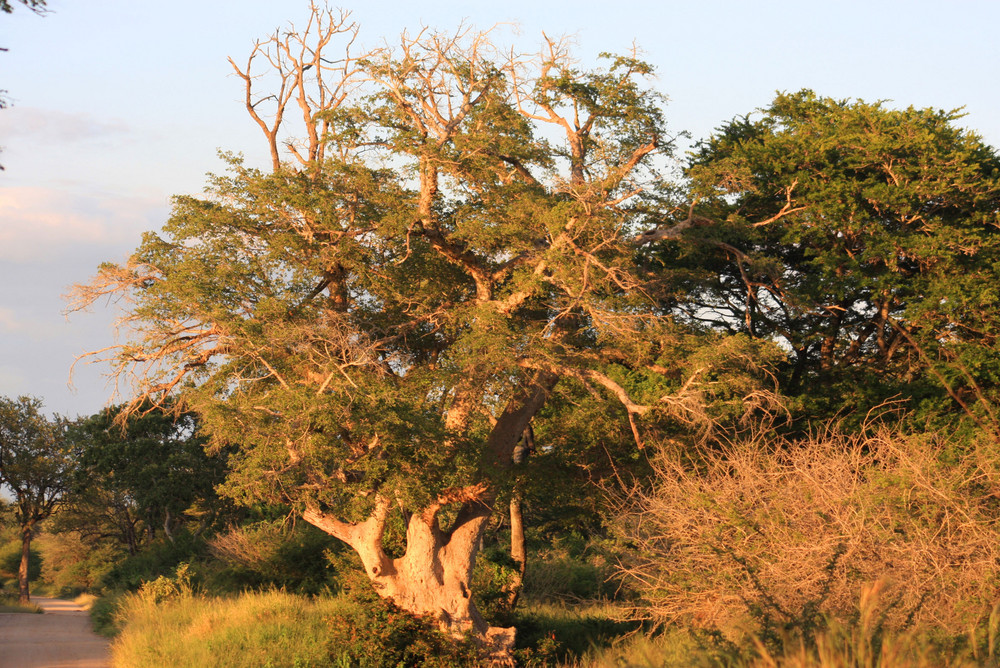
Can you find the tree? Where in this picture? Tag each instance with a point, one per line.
(862, 238)
(133, 479)
(35, 466)
(376, 323)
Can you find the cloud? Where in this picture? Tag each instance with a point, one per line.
(56, 127)
(9, 321)
(44, 224)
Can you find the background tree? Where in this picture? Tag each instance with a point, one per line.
(863, 239)
(375, 326)
(140, 476)
(35, 467)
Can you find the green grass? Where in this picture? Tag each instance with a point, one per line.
(272, 629)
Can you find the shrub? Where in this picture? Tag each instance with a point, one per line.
(158, 559)
(270, 554)
(373, 633)
(71, 565)
(773, 536)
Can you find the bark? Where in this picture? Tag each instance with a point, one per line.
(433, 577)
(518, 549)
(22, 571)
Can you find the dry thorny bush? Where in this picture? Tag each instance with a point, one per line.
(770, 534)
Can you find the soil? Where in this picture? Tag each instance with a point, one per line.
(60, 638)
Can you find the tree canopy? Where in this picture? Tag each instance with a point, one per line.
(132, 480)
(375, 322)
(863, 238)
(35, 467)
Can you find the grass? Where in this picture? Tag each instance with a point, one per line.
(165, 623)
(569, 629)
(838, 647)
(8, 603)
(272, 629)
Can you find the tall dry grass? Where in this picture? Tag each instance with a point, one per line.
(184, 630)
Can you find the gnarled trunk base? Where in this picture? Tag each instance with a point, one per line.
(432, 579)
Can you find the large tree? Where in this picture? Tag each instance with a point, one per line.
(864, 239)
(35, 466)
(376, 321)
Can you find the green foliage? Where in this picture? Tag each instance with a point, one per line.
(374, 633)
(136, 474)
(548, 633)
(161, 558)
(34, 460)
(72, 565)
(35, 468)
(266, 555)
(860, 237)
(336, 313)
(10, 561)
(104, 616)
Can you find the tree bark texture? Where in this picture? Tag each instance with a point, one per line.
(22, 571)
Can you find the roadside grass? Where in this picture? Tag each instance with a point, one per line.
(8, 603)
(273, 629)
(85, 601)
(838, 647)
(276, 629)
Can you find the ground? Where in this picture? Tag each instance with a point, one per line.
(61, 638)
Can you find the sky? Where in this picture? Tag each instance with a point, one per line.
(116, 105)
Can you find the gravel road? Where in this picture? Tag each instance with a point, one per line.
(61, 638)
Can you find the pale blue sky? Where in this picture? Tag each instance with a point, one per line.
(118, 104)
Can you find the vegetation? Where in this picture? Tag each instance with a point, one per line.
(879, 253)
(468, 359)
(373, 327)
(35, 468)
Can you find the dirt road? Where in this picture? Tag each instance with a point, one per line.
(61, 638)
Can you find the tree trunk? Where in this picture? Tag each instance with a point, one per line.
(433, 577)
(518, 551)
(22, 571)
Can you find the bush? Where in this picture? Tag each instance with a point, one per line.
(778, 537)
(159, 559)
(373, 633)
(71, 565)
(269, 555)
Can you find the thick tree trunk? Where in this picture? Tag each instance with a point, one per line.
(22, 571)
(433, 577)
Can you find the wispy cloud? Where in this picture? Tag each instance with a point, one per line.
(43, 224)
(50, 126)
(9, 321)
